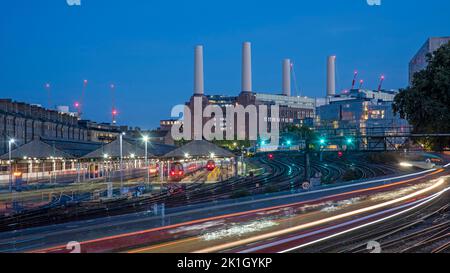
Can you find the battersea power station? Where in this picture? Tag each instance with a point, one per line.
(292, 109)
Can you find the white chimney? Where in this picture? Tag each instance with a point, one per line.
(287, 77)
(331, 76)
(199, 87)
(246, 67)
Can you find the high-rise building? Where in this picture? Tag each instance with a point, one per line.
(419, 61)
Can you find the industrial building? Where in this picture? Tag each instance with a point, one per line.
(292, 109)
(419, 61)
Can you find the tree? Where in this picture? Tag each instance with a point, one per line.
(302, 133)
(426, 103)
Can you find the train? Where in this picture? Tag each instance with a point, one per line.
(210, 165)
(179, 170)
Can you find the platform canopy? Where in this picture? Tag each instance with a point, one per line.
(112, 150)
(76, 148)
(155, 149)
(199, 148)
(37, 149)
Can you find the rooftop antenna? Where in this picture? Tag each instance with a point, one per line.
(381, 83)
(297, 92)
(113, 110)
(79, 104)
(83, 93)
(355, 75)
(48, 87)
(361, 83)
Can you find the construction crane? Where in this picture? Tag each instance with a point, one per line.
(355, 75)
(381, 83)
(361, 83)
(297, 93)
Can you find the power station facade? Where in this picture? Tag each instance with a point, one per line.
(357, 112)
(291, 109)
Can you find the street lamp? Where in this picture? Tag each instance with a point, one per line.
(146, 139)
(10, 143)
(121, 161)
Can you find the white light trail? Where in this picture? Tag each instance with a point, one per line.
(238, 230)
(318, 222)
(431, 198)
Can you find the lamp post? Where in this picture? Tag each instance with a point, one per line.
(10, 143)
(121, 162)
(146, 138)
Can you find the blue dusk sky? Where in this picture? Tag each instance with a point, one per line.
(146, 48)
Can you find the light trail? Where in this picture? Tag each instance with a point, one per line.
(318, 222)
(305, 235)
(426, 174)
(427, 200)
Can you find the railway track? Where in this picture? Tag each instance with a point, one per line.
(284, 173)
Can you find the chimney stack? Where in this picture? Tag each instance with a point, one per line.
(246, 67)
(199, 86)
(331, 76)
(287, 77)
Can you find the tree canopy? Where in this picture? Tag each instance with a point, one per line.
(426, 103)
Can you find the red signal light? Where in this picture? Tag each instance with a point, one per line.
(270, 156)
